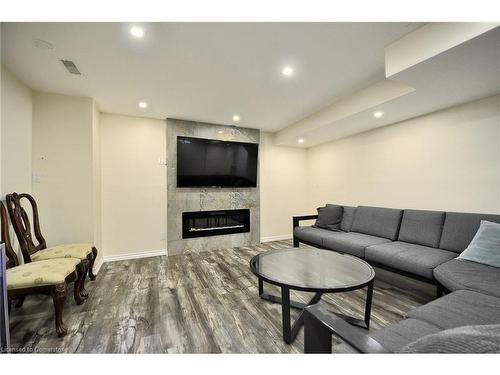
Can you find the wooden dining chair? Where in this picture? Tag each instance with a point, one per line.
(40, 251)
(48, 277)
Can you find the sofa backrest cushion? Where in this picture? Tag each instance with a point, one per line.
(377, 221)
(347, 218)
(421, 227)
(460, 228)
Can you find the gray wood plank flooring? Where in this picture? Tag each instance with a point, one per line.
(194, 303)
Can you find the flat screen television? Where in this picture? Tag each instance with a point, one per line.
(215, 163)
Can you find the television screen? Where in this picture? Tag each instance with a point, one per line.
(209, 163)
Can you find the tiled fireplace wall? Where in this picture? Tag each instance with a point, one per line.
(180, 200)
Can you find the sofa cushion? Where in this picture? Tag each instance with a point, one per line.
(347, 218)
(311, 234)
(460, 228)
(460, 274)
(416, 259)
(460, 308)
(467, 340)
(485, 246)
(351, 243)
(377, 221)
(421, 227)
(329, 217)
(395, 336)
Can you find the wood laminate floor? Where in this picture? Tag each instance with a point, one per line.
(194, 303)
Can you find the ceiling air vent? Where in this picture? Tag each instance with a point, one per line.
(71, 67)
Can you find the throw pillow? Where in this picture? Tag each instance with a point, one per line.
(485, 246)
(329, 217)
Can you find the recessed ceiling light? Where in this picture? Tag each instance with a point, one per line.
(137, 32)
(287, 71)
(236, 118)
(142, 105)
(220, 132)
(378, 114)
(301, 140)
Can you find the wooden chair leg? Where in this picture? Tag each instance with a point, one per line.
(83, 292)
(59, 293)
(92, 276)
(19, 303)
(79, 289)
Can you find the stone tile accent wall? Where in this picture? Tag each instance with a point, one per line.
(203, 199)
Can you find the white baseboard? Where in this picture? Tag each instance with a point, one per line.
(142, 254)
(276, 238)
(155, 253)
(115, 258)
(97, 265)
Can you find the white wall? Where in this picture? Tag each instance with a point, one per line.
(16, 134)
(133, 185)
(101, 173)
(448, 160)
(283, 187)
(62, 160)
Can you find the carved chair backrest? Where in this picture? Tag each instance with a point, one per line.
(22, 225)
(12, 259)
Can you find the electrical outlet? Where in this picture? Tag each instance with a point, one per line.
(37, 177)
(162, 161)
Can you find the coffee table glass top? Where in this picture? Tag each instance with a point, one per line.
(312, 269)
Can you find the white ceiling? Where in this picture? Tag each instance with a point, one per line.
(204, 71)
(464, 73)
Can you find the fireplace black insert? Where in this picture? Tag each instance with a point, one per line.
(215, 223)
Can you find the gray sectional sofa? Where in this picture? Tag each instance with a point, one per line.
(417, 243)
(421, 244)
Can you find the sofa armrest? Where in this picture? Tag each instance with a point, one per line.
(320, 324)
(297, 219)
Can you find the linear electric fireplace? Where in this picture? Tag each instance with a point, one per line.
(215, 223)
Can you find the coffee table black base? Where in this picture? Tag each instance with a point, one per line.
(290, 330)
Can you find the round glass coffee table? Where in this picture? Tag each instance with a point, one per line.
(311, 270)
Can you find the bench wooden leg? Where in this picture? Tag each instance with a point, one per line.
(80, 294)
(19, 302)
(92, 276)
(59, 293)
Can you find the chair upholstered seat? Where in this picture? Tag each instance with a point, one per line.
(76, 250)
(35, 274)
